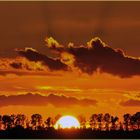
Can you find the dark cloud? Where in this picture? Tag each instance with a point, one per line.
(96, 56)
(130, 102)
(39, 100)
(16, 65)
(21, 66)
(51, 63)
(27, 66)
(99, 56)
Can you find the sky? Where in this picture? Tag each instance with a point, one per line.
(69, 58)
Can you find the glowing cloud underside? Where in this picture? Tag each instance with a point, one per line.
(67, 122)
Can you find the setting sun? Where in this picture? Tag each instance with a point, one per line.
(67, 122)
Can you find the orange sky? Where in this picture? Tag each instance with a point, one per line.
(88, 75)
(108, 90)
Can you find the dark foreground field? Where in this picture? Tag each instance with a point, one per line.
(71, 134)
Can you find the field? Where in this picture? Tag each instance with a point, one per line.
(68, 134)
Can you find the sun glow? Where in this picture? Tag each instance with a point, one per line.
(67, 122)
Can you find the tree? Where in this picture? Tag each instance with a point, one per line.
(6, 119)
(120, 126)
(13, 118)
(107, 119)
(0, 122)
(48, 122)
(114, 120)
(82, 121)
(56, 118)
(93, 121)
(27, 124)
(20, 119)
(137, 117)
(36, 120)
(133, 121)
(100, 119)
(127, 118)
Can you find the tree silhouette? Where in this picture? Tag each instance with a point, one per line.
(107, 119)
(57, 117)
(13, 119)
(82, 121)
(98, 122)
(127, 118)
(114, 120)
(20, 119)
(121, 126)
(137, 117)
(48, 122)
(133, 121)
(0, 122)
(6, 119)
(28, 123)
(100, 119)
(93, 121)
(36, 120)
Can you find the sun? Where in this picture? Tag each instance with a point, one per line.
(67, 122)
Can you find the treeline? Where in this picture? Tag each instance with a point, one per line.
(96, 122)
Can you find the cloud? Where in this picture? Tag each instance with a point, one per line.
(16, 65)
(130, 103)
(21, 66)
(97, 56)
(134, 95)
(133, 99)
(30, 99)
(52, 43)
(51, 63)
